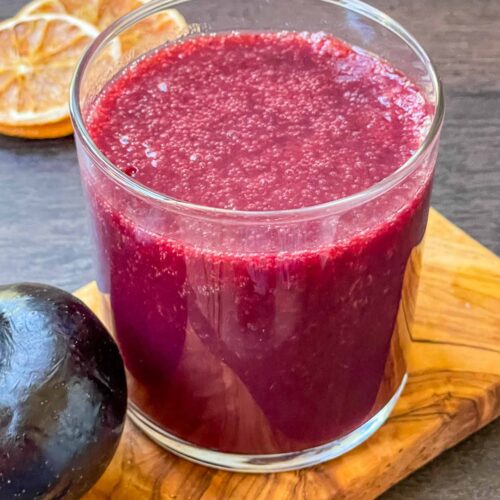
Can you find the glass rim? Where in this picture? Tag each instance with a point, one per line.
(333, 206)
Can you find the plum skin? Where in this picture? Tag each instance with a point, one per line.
(63, 394)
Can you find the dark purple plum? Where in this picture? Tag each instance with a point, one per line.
(63, 394)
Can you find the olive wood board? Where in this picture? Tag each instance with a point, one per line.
(453, 390)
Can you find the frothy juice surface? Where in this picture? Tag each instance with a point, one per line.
(259, 339)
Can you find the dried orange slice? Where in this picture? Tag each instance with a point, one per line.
(87, 10)
(38, 55)
(47, 131)
(154, 30)
(102, 13)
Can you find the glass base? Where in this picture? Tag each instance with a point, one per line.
(264, 463)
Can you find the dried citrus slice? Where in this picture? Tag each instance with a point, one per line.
(38, 55)
(47, 131)
(153, 31)
(87, 10)
(102, 13)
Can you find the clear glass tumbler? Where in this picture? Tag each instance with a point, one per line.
(258, 341)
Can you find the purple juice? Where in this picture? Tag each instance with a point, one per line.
(274, 338)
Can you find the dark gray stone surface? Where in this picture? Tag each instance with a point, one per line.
(43, 234)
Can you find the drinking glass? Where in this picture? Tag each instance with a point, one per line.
(258, 341)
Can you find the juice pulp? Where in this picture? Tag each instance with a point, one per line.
(258, 339)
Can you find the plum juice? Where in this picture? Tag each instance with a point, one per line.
(272, 326)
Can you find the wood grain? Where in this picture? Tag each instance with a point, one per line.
(453, 390)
